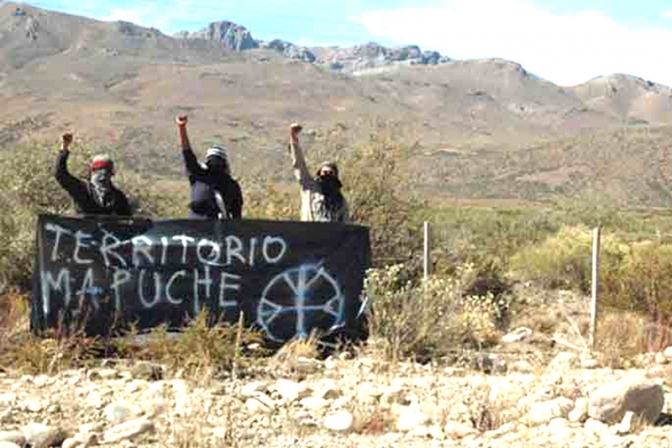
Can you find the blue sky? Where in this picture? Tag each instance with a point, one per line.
(564, 41)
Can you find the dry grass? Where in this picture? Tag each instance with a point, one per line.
(295, 358)
(620, 337)
(200, 428)
(490, 410)
(202, 351)
(22, 352)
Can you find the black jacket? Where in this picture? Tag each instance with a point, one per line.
(204, 184)
(82, 193)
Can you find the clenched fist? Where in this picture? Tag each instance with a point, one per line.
(66, 140)
(295, 129)
(181, 120)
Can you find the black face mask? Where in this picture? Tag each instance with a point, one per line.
(217, 165)
(330, 185)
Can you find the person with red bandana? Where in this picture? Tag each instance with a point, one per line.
(97, 196)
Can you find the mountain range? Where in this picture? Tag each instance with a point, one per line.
(478, 129)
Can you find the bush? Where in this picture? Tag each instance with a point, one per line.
(643, 283)
(565, 260)
(379, 195)
(426, 320)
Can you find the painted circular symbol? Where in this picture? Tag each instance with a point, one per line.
(299, 300)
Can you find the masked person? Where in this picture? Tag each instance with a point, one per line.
(98, 196)
(214, 193)
(321, 197)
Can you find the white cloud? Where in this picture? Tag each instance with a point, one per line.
(565, 49)
(667, 14)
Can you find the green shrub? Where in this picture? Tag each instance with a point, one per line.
(378, 191)
(643, 283)
(565, 259)
(426, 320)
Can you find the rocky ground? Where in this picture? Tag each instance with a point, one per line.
(344, 402)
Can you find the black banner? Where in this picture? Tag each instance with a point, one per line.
(287, 278)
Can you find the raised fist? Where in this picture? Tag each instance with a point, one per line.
(181, 120)
(66, 140)
(295, 128)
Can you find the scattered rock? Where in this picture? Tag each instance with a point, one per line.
(457, 430)
(394, 395)
(256, 406)
(421, 431)
(657, 371)
(81, 441)
(9, 445)
(292, 391)
(410, 420)
(330, 392)
(136, 386)
(42, 436)
(144, 370)
(307, 365)
(155, 392)
(522, 334)
(545, 411)
(330, 363)
(340, 422)
(108, 374)
(252, 389)
(91, 428)
(127, 431)
(580, 412)
(661, 359)
(521, 367)
(557, 425)
(314, 403)
(42, 380)
(120, 412)
(16, 437)
(436, 433)
(589, 364)
(71, 443)
(627, 425)
(563, 361)
(668, 352)
(610, 403)
(595, 426)
(8, 399)
(33, 406)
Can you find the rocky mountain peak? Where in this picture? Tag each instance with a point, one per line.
(230, 35)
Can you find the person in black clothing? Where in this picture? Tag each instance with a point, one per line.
(98, 196)
(214, 193)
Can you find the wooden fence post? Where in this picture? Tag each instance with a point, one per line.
(594, 287)
(426, 250)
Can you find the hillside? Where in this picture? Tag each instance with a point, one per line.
(479, 128)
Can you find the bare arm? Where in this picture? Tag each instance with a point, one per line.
(298, 160)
